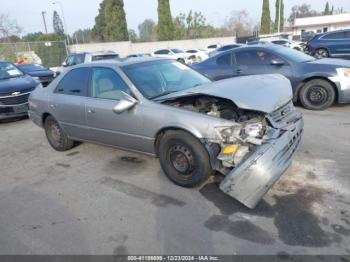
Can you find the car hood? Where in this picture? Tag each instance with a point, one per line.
(17, 84)
(331, 62)
(263, 93)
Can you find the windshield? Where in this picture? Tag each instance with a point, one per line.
(293, 55)
(8, 70)
(159, 78)
(31, 67)
(176, 51)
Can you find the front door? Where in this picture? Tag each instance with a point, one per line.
(107, 127)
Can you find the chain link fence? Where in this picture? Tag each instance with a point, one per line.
(49, 54)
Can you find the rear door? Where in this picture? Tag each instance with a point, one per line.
(67, 103)
(258, 61)
(220, 67)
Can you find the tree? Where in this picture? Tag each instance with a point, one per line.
(326, 10)
(190, 26)
(8, 27)
(57, 24)
(265, 27)
(99, 30)
(279, 15)
(116, 26)
(147, 30)
(239, 23)
(83, 36)
(165, 22)
(132, 35)
(301, 11)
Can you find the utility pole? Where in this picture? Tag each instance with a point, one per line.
(279, 17)
(44, 20)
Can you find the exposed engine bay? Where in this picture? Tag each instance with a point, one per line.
(217, 107)
(235, 142)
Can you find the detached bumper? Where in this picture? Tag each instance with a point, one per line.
(251, 180)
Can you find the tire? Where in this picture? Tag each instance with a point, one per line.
(321, 53)
(317, 94)
(56, 136)
(184, 159)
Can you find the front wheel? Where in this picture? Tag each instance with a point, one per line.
(317, 94)
(56, 136)
(184, 159)
(321, 53)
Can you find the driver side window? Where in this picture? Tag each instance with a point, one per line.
(254, 57)
(107, 84)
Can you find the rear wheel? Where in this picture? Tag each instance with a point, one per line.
(184, 159)
(321, 53)
(56, 136)
(317, 94)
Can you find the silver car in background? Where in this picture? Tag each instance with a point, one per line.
(244, 128)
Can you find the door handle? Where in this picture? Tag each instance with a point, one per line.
(239, 71)
(91, 111)
(53, 106)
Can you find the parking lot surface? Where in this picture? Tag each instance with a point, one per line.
(99, 200)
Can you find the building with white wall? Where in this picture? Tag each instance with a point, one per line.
(320, 24)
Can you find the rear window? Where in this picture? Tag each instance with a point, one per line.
(104, 57)
(75, 82)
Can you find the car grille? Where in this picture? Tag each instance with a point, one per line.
(288, 151)
(13, 100)
(27, 90)
(283, 115)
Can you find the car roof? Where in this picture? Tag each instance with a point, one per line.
(123, 62)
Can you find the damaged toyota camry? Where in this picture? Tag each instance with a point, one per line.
(245, 128)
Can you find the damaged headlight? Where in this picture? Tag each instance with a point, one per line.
(255, 130)
(229, 134)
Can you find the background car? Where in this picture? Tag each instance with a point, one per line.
(331, 44)
(38, 73)
(15, 88)
(291, 44)
(223, 49)
(200, 54)
(317, 84)
(139, 55)
(86, 57)
(174, 53)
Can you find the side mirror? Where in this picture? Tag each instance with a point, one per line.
(126, 103)
(277, 62)
(64, 64)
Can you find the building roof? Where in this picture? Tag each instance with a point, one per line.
(322, 20)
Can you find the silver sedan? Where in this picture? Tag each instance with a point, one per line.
(244, 128)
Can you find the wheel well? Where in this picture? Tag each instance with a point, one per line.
(161, 133)
(45, 115)
(300, 86)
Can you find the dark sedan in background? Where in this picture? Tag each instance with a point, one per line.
(15, 88)
(331, 44)
(317, 84)
(38, 73)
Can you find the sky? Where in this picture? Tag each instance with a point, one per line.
(81, 13)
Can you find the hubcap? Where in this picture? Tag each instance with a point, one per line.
(317, 95)
(55, 132)
(182, 159)
(321, 54)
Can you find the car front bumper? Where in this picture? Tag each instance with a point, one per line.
(251, 180)
(7, 112)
